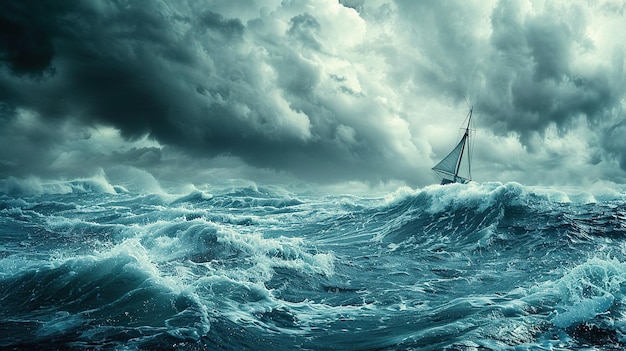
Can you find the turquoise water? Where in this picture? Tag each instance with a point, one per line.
(90, 265)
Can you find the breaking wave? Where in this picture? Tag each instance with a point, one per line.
(85, 264)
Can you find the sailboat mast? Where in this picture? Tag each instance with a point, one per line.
(458, 165)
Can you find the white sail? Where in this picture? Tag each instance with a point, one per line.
(450, 163)
(448, 168)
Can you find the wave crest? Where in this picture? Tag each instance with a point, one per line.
(35, 186)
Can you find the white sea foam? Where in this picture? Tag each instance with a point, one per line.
(583, 311)
(35, 186)
(500, 266)
(585, 294)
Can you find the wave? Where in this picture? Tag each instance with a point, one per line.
(473, 213)
(35, 186)
(117, 297)
(453, 196)
(234, 273)
(499, 266)
(244, 198)
(584, 306)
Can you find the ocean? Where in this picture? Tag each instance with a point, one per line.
(90, 265)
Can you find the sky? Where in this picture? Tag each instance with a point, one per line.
(338, 93)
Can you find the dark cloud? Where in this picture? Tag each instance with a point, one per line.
(522, 79)
(533, 67)
(304, 28)
(189, 77)
(315, 89)
(532, 82)
(26, 37)
(230, 28)
(614, 141)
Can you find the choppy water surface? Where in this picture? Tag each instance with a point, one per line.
(90, 265)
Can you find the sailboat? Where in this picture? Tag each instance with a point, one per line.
(448, 168)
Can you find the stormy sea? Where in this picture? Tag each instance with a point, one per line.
(93, 265)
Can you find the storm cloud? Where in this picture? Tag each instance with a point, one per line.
(323, 91)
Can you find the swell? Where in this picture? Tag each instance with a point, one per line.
(468, 218)
(458, 267)
(246, 198)
(476, 246)
(91, 300)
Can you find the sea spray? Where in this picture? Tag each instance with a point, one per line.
(496, 266)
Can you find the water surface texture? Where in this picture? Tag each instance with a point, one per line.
(90, 265)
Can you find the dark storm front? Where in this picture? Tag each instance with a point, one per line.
(460, 267)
